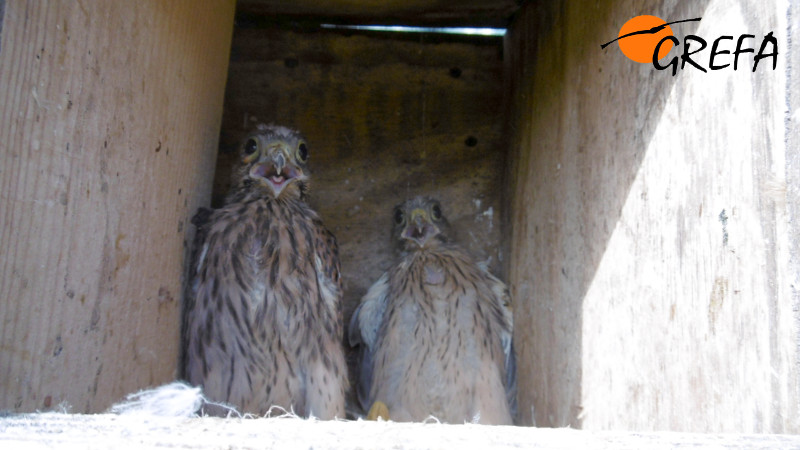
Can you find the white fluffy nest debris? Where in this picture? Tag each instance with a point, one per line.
(178, 399)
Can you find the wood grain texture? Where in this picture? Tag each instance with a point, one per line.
(650, 229)
(109, 118)
(104, 430)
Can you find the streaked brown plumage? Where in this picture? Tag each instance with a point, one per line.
(434, 331)
(263, 322)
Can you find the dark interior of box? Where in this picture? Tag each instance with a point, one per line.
(387, 116)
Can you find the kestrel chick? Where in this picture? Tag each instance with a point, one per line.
(263, 323)
(435, 330)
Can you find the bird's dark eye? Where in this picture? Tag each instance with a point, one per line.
(250, 146)
(302, 152)
(398, 216)
(436, 212)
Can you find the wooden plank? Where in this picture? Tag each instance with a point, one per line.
(109, 117)
(650, 226)
(103, 431)
(792, 198)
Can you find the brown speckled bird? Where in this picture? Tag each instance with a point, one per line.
(434, 332)
(263, 322)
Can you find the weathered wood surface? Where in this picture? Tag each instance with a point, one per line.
(109, 122)
(109, 431)
(652, 254)
(651, 237)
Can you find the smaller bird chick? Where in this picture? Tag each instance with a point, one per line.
(435, 331)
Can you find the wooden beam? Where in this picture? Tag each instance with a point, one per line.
(49, 430)
(650, 253)
(109, 120)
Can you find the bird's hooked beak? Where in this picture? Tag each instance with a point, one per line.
(419, 228)
(275, 169)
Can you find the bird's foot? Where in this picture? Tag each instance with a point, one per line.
(378, 410)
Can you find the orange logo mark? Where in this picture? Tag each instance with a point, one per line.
(642, 34)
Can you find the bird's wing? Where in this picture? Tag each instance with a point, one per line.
(503, 304)
(363, 332)
(326, 261)
(211, 339)
(201, 221)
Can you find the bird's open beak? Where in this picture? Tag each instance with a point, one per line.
(275, 170)
(420, 228)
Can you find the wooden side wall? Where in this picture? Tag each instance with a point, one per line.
(109, 121)
(651, 237)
